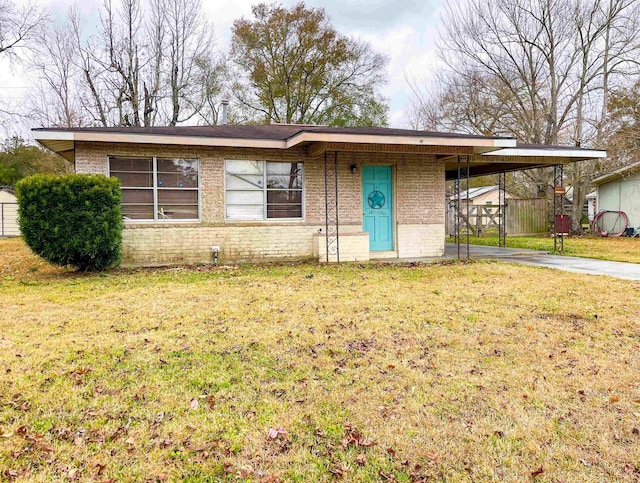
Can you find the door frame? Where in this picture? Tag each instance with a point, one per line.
(394, 232)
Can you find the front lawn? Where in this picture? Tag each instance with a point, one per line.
(621, 249)
(477, 372)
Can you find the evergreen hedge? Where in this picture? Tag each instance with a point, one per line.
(73, 219)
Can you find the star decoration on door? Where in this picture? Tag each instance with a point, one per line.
(376, 200)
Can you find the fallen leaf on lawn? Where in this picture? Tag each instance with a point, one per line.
(361, 459)
(537, 472)
(194, 403)
(165, 443)
(72, 474)
(385, 476)
(637, 401)
(431, 456)
(244, 472)
(613, 399)
(391, 452)
(277, 433)
(340, 470)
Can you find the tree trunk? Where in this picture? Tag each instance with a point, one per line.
(579, 187)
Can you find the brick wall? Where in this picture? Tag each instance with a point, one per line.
(419, 192)
(354, 247)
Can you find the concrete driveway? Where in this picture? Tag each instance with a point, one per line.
(627, 271)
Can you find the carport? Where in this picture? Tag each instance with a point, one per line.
(518, 158)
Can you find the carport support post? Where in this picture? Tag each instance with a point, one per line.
(332, 223)
(558, 208)
(467, 170)
(456, 229)
(502, 206)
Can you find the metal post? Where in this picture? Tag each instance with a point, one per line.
(467, 169)
(502, 206)
(335, 167)
(332, 222)
(558, 208)
(562, 207)
(326, 207)
(2, 205)
(555, 210)
(458, 207)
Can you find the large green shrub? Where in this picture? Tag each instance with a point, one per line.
(72, 219)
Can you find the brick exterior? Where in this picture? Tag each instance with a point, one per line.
(419, 192)
(354, 247)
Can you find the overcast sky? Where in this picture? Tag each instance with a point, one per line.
(404, 30)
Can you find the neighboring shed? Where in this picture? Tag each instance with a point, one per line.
(591, 205)
(481, 195)
(8, 213)
(619, 190)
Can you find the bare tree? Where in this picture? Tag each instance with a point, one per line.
(539, 70)
(189, 44)
(145, 66)
(56, 96)
(19, 26)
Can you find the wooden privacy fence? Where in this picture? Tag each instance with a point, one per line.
(524, 217)
(527, 216)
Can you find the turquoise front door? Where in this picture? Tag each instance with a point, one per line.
(377, 209)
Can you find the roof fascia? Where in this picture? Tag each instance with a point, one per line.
(557, 152)
(111, 137)
(310, 136)
(486, 144)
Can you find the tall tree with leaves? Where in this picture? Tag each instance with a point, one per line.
(18, 160)
(623, 125)
(293, 66)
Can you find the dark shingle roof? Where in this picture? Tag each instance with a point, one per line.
(278, 132)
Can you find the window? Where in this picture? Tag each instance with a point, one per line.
(259, 190)
(156, 189)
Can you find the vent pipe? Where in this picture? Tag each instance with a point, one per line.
(225, 104)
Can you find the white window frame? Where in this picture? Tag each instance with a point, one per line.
(155, 187)
(264, 191)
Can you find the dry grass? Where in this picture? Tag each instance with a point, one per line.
(620, 249)
(477, 372)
